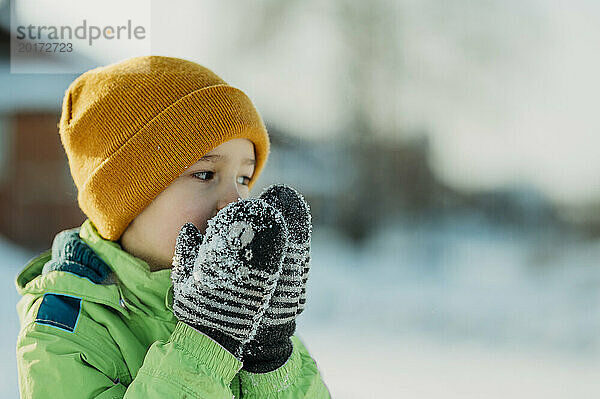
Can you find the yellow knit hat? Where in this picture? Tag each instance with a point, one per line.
(130, 128)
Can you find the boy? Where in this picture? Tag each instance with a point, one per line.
(163, 153)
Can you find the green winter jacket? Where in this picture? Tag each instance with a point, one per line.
(96, 323)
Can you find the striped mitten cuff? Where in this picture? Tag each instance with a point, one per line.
(222, 284)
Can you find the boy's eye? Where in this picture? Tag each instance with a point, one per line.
(243, 180)
(209, 175)
(205, 175)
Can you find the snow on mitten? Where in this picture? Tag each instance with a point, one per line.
(271, 347)
(222, 283)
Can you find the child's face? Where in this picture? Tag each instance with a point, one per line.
(218, 178)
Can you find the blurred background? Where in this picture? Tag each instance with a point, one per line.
(450, 152)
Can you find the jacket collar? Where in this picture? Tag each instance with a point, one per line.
(100, 271)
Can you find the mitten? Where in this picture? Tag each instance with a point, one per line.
(272, 346)
(222, 283)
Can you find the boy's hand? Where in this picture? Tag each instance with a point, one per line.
(222, 284)
(271, 347)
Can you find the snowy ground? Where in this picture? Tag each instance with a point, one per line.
(458, 309)
(455, 309)
(375, 365)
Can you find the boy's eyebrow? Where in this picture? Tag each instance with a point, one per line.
(215, 157)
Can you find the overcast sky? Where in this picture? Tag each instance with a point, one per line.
(506, 90)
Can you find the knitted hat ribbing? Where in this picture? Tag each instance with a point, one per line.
(130, 128)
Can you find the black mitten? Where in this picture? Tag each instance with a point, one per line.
(222, 284)
(272, 346)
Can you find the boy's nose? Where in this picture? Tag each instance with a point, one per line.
(230, 194)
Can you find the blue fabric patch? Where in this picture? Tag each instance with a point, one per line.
(60, 311)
